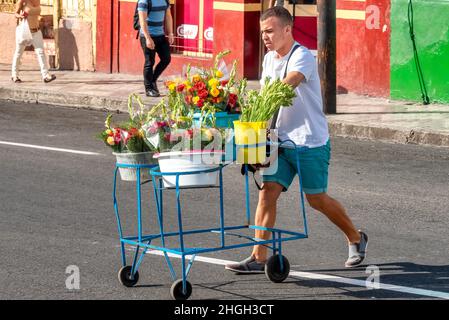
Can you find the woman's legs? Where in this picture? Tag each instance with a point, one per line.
(38, 43)
(16, 60)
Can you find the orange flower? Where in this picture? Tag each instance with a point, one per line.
(215, 92)
(110, 140)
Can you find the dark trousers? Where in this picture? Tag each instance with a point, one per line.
(162, 48)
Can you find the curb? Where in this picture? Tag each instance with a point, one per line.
(369, 132)
(68, 100)
(336, 127)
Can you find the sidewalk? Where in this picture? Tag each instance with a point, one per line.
(358, 116)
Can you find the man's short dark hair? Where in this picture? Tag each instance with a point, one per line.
(279, 12)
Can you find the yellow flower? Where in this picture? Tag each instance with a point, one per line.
(108, 132)
(218, 74)
(196, 78)
(110, 141)
(195, 99)
(214, 92)
(214, 82)
(172, 87)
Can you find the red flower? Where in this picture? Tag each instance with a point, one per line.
(200, 86)
(232, 99)
(133, 132)
(117, 135)
(189, 133)
(203, 94)
(200, 103)
(181, 87)
(224, 82)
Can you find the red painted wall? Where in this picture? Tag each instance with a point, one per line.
(305, 31)
(239, 32)
(130, 57)
(104, 36)
(363, 55)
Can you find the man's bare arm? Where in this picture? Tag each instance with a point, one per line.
(294, 78)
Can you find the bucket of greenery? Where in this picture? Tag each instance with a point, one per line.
(258, 107)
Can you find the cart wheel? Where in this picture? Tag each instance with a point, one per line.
(176, 290)
(124, 276)
(273, 269)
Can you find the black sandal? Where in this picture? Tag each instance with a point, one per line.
(49, 78)
(16, 79)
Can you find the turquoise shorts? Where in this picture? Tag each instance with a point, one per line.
(314, 164)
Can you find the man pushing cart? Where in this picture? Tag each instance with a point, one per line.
(305, 124)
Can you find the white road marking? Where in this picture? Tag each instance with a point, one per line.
(49, 148)
(324, 277)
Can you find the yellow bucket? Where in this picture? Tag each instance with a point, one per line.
(251, 141)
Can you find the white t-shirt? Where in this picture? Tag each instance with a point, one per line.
(304, 122)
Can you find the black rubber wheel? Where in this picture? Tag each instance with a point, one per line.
(273, 269)
(124, 276)
(176, 290)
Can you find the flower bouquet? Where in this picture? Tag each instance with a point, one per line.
(182, 146)
(208, 91)
(128, 142)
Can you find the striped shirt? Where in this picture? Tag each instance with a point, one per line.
(156, 18)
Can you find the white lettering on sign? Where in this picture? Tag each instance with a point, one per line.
(209, 34)
(188, 31)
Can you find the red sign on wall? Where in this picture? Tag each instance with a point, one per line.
(194, 25)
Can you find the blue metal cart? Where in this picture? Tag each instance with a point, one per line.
(276, 269)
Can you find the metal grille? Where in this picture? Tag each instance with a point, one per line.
(77, 8)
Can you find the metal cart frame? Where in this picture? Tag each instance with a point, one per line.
(277, 267)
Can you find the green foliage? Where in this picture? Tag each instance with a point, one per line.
(262, 105)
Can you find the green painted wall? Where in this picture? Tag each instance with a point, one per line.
(431, 24)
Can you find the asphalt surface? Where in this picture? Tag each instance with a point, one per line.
(56, 211)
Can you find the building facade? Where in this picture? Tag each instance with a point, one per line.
(375, 53)
(69, 46)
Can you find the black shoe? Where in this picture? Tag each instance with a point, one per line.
(249, 265)
(49, 78)
(151, 93)
(154, 86)
(16, 79)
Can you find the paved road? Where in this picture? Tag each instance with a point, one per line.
(56, 211)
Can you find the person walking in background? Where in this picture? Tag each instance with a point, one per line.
(30, 10)
(153, 16)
